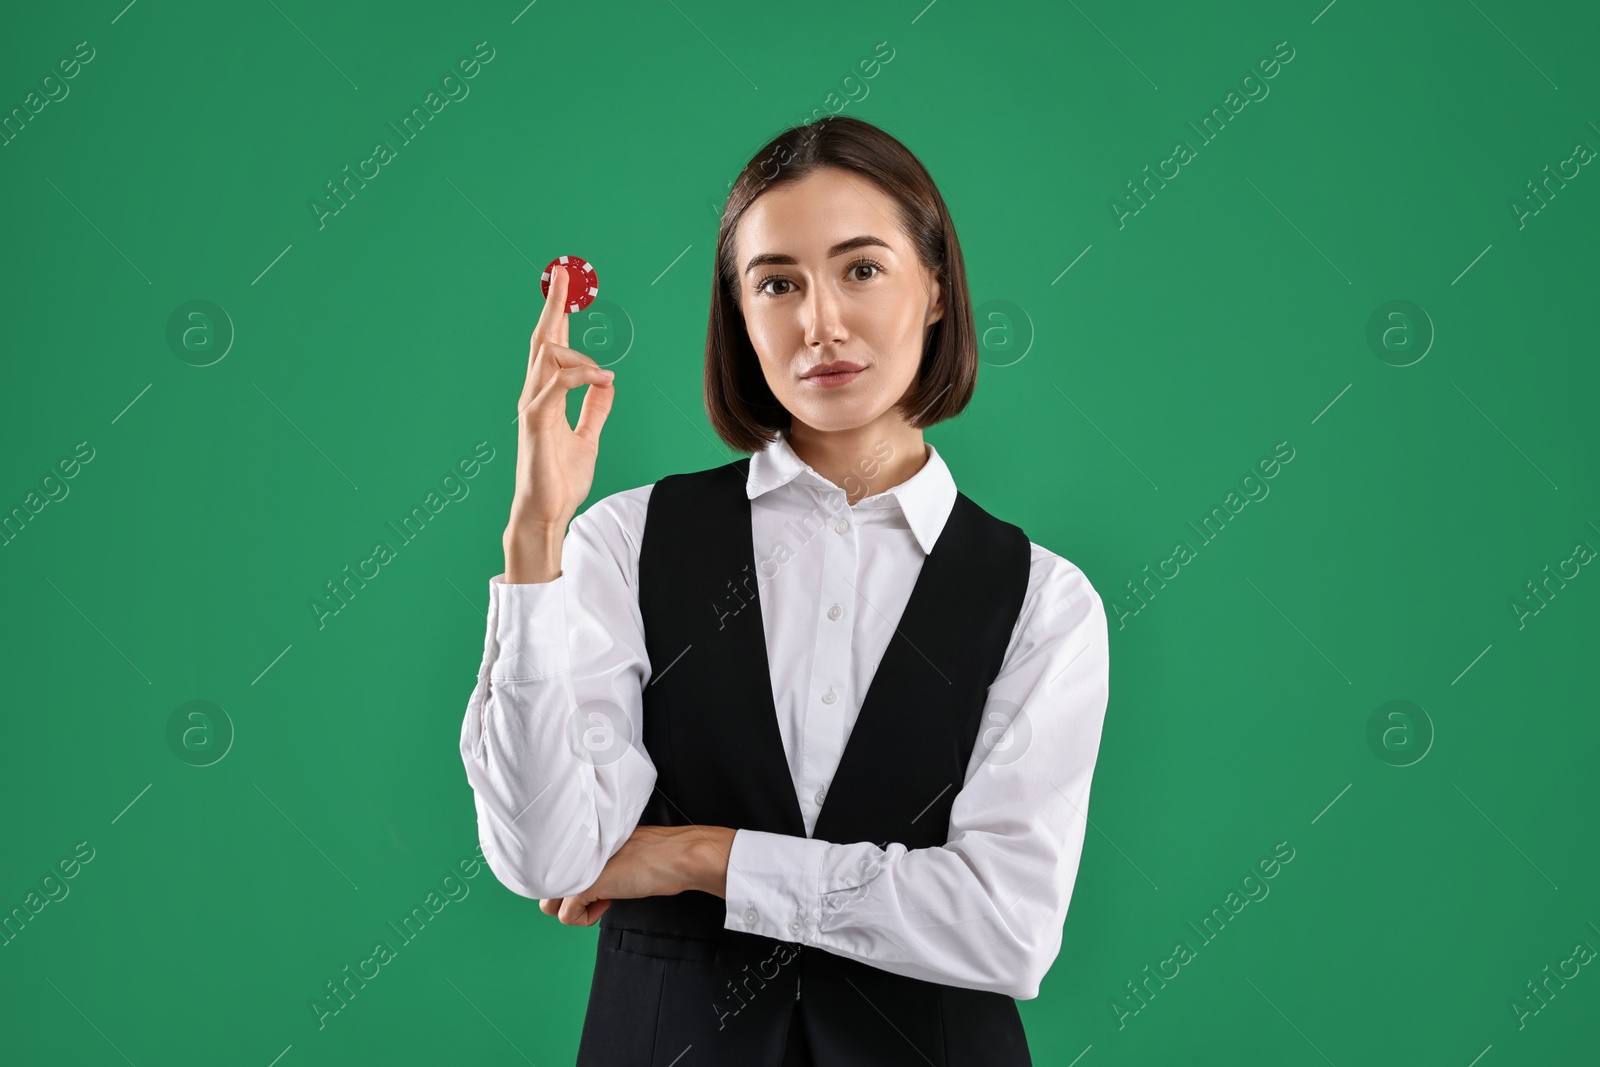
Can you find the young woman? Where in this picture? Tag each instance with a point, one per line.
(816, 698)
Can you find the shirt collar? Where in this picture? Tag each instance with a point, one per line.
(925, 499)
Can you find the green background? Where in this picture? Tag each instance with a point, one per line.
(1120, 400)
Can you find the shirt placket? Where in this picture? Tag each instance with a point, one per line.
(829, 693)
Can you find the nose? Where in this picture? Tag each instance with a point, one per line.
(825, 323)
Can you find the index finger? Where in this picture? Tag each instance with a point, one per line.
(552, 325)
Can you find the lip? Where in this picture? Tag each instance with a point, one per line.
(830, 375)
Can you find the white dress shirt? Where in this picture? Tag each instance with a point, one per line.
(983, 911)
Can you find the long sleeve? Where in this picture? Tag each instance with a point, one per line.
(985, 910)
(550, 737)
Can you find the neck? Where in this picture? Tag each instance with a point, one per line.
(865, 460)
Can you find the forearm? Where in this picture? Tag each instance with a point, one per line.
(532, 551)
(935, 914)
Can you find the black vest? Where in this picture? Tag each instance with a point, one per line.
(671, 985)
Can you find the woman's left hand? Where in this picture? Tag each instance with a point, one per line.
(655, 861)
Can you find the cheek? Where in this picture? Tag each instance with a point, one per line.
(895, 315)
(767, 332)
(897, 334)
(769, 338)
(764, 325)
(905, 375)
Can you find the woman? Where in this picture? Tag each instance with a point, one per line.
(816, 698)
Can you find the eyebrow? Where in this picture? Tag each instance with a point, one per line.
(837, 250)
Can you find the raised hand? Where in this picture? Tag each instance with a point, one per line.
(555, 461)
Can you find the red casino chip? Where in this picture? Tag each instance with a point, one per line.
(583, 284)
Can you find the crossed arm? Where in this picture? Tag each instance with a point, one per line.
(655, 861)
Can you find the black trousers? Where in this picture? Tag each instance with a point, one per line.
(797, 1053)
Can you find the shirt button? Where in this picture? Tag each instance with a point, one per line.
(835, 611)
(842, 525)
(794, 926)
(822, 794)
(750, 916)
(828, 697)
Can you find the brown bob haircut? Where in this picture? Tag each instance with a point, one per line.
(742, 408)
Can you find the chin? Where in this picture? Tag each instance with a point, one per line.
(831, 419)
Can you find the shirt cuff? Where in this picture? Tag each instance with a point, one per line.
(774, 885)
(529, 623)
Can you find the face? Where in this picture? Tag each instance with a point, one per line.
(834, 283)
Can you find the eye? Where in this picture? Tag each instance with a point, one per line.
(860, 263)
(761, 286)
(850, 271)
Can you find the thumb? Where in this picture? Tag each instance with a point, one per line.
(575, 910)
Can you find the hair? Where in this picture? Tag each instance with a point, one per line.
(742, 407)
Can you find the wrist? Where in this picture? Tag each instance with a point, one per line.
(531, 555)
(708, 859)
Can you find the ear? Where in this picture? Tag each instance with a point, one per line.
(936, 309)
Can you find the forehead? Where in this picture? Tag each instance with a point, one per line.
(803, 218)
